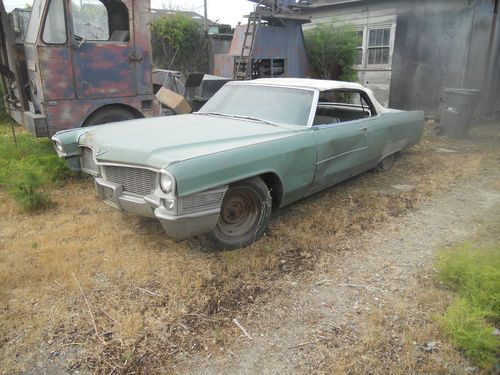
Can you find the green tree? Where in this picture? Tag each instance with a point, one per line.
(179, 43)
(332, 51)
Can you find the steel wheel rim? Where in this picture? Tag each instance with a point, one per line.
(240, 213)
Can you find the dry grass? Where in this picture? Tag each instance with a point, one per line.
(393, 340)
(154, 300)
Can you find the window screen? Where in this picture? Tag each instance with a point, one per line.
(378, 46)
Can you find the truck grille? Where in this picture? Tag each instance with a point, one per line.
(133, 180)
(87, 162)
(202, 201)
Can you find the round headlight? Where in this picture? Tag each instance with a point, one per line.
(166, 183)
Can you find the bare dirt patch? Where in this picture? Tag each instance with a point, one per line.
(147, 304)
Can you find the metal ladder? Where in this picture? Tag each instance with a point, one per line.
(244, 66)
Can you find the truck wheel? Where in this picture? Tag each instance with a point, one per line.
(385, 164)
(245, 214)
(107, 115)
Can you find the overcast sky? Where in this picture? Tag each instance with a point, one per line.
(223, 11)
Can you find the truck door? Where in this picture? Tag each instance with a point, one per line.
(103, 48)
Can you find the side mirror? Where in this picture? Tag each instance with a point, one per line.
(78, 42)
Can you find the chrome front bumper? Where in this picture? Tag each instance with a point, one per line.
(176, 226)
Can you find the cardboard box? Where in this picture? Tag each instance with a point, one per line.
(174, 101)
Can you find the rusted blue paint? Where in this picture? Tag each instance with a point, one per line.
(104, 70)
(143, 50)
(67, 114)
(56, 73)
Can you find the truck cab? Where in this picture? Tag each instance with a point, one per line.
(82, 63)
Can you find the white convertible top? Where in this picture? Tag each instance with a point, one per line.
(316, 84)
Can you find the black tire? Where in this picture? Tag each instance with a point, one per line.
(107, 115)
(245, 214)
(386, 163)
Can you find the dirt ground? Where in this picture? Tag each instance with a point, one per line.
(342, 283)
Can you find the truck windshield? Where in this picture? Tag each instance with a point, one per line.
(35, 21)
(279, 105)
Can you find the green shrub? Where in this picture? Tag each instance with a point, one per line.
(179, 43)
(29, 169)
(474, 274)
(470, 332)
(28, 193)
(332, 51)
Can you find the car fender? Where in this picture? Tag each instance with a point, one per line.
(291, 159)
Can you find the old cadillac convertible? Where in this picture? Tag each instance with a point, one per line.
(254, 146)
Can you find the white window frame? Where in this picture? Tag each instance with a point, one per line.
(363, 40)
(366, 34)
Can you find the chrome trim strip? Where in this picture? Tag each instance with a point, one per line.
(339, 155)
(164, 215)
(136, 166)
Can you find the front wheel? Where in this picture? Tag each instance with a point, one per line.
(245, 214)
(109, 114)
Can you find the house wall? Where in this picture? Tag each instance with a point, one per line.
(364, 16)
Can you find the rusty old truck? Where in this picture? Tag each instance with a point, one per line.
(80, 63)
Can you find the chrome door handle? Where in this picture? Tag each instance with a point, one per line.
(364, 130)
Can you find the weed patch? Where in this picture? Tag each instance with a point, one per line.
(474, 274)
(29, 168)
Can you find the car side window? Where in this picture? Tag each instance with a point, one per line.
(103, 21)
(337, 106)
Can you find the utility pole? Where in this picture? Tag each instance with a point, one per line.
(206, 17)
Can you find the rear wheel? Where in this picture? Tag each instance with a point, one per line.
(386, 163)
(245, 214)
(107, 115)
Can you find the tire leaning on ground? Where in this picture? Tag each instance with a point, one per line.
(245, 214)
(107, 115)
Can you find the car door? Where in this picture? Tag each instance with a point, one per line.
(341, 131)
(342, 150)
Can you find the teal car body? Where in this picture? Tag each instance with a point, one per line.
(296, 150)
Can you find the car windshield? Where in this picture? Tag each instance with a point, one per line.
(277, 105)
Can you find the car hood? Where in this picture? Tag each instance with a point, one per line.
(162, 141)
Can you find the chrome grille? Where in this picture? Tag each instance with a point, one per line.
(87, 162)
(133, 180)
(201, 202)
